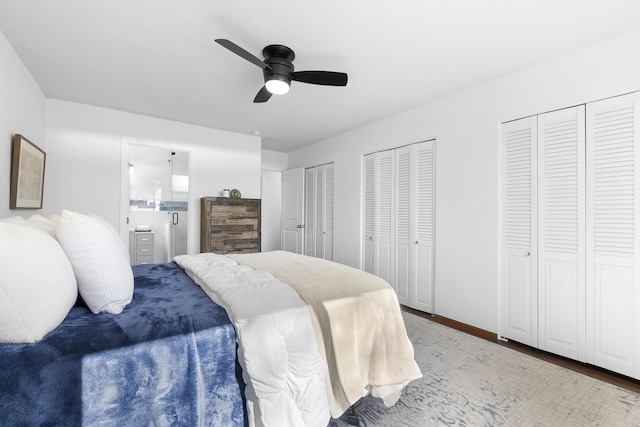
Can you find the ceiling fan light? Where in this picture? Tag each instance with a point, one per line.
(277, 87)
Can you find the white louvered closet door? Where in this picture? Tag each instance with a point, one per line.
(309, 212)
(414, 225)
(319, 206)
(383, 220)
(327, 234)
(368, 208)
(561, 232)
(319, 212)
(613, 232)
(519, 305)
(403, 283)
(423, 225)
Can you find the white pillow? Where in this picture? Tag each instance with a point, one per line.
(37, 285)
(39, 222)
(14, 220)
(42, 223)
(100, 261)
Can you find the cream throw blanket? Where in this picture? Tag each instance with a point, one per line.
(357, 314)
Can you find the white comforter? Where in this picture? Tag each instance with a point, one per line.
(282, 368)
(289, 327)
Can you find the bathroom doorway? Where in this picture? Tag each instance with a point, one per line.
(157, 218)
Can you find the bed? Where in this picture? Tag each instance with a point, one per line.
(268, 339)
(168, 359)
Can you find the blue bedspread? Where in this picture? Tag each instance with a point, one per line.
(169, 359)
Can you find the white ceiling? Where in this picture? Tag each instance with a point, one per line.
(159, 58)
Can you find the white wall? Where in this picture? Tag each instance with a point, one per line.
(83, 144)
(84, 160)
(22, 110)
(270, 209)
(466, 127)
(273, 162)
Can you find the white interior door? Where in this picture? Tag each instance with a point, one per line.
(403, 282)
(383, 211)
(319, 212)
(613, 234)
(518, 316)
(291, 226)
(423, 213)
(327, 233)
(587, 206)
(399, 212)
(310, 224)
(368, 211)
(561, 232)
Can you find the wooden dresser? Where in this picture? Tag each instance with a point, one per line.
(229, 225)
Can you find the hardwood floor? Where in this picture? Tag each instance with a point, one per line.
(583, 368)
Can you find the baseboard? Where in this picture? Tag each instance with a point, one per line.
(469, 329)
(590, 370)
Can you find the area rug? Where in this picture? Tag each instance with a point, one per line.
(468, 381)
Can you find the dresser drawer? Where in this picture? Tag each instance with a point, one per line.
(144, 250)
(144, 239)
(144, 259)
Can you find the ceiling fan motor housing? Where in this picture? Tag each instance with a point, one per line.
(279, 59)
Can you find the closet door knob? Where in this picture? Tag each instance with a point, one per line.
(527, 253)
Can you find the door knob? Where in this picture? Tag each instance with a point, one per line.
(527, 253)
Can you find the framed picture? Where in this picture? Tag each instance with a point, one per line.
(27, 174)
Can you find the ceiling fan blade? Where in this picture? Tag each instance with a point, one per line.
(242, 53)
(263, 95)
(327, 78)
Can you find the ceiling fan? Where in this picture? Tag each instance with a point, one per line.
(278, 70)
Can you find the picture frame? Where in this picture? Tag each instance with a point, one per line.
(27, 174)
